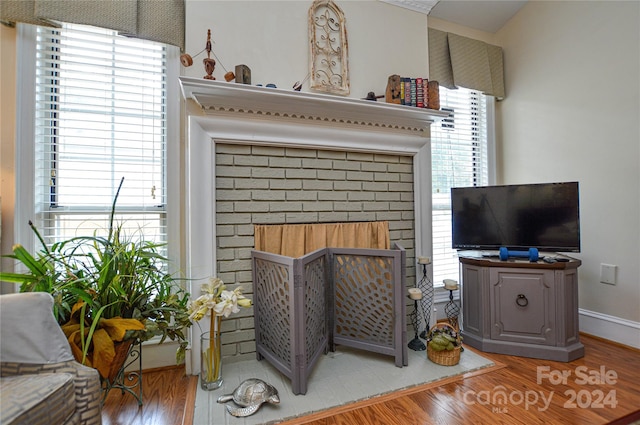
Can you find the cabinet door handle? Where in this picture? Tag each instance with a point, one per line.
(522, 301)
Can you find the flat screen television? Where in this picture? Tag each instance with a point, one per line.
(545, 216)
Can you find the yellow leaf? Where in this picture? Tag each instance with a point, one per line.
(117, 327)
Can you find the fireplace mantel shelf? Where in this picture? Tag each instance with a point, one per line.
(216, 97)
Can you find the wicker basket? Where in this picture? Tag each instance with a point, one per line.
(444, 357)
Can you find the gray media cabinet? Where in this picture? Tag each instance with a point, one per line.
(521, 308)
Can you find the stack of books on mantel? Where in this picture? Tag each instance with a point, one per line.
(419, 92)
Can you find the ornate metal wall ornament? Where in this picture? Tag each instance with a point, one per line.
(329, 48)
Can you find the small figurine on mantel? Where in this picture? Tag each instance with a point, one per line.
(392, 94)
(209, 64)
(243, 74)
(372, 96)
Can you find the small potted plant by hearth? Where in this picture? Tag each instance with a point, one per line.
(109, 292)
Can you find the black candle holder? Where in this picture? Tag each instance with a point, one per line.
(415, 344)
(452, 310)
(426, 302)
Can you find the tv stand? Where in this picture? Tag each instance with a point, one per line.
(521, 308)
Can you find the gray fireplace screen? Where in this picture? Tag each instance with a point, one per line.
(304, 307)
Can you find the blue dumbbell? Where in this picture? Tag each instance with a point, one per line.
(532, 254)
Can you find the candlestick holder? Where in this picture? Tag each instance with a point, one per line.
(415, 344)
(452, 310)
(426, 302)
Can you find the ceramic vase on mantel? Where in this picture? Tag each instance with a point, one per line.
(211, 357)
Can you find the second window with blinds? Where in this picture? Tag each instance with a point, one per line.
(461, 157)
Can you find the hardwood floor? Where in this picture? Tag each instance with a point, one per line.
(602, 387)
(166, 393)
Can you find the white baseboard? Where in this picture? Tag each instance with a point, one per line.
(156, 355)
(608, 327)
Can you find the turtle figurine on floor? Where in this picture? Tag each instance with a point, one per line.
(250, 395)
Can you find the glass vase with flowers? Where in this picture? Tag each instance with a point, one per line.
(217, 302)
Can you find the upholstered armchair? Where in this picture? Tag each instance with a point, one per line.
(40, 381)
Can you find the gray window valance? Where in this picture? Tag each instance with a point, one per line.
(157, 20)
(456, 61)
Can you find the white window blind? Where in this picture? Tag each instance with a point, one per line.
(101, 115)
(459, 158)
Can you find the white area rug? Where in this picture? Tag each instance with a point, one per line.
(343, 377)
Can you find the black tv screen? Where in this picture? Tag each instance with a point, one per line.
(545, 216)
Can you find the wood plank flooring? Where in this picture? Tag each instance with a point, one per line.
(166, 393)
(603, 387)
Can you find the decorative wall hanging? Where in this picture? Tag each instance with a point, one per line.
(329, 48)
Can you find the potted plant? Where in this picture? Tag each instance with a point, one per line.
(112, 288)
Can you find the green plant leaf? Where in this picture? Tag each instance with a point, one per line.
(22, 255)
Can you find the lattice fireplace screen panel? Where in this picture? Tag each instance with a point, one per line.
(304, 307)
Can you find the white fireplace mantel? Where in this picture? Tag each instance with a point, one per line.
(215, 97)
(243, 114)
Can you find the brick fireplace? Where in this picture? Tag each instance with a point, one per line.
(269, 156)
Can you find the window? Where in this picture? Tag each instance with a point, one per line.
(99, 111)
(460, 157)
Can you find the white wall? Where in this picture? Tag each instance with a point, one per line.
(271, 38)
(7, 151)
(572, 72)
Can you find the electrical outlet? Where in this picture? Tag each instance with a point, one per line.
(608, 274)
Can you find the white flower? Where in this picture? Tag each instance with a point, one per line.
(218, 300)
(228, 304)
(199, 307)
(213, 287)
